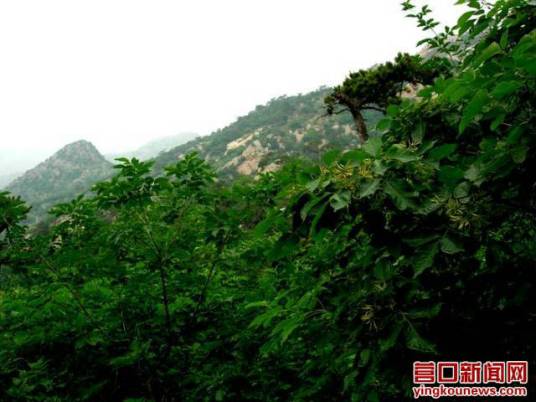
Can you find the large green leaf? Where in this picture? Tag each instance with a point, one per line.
(373, 146)
(425, 259)
(369, 188)
(400, 193)
(340, 200)
(474, 108)
(505, 88)
(442, 151)
(401, 153)
(492, 50)
(416, 342)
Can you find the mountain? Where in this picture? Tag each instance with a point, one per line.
(154, 147)
(264, 138)
(70, 171)
(259, 142)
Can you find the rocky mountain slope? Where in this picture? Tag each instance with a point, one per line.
(70, 171)
(264, 138)
(258, 142)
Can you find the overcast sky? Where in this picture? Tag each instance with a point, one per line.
(119, 73)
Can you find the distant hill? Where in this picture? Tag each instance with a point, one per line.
(155, 147)
(70, 171)
(258, 142)
(264, 138)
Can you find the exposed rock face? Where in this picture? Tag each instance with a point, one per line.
(70, 171)
(260, 141)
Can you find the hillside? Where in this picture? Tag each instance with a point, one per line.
(69, 172)
(253, 144)
(261, 140)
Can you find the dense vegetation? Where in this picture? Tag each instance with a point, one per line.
(323, 281)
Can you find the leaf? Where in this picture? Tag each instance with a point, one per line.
(355, 155)
(384, 124)
(284, 247)
(462, 23)
(399, 193)
(308, 207)
(379, 168)
(420, 241)
(426, 146)
(415, 342)
(428, 312)
(519, 153)
(418, 134)
(313, 185)
(450, 246)
(514, 135)
(523, 53)
(364, 357)
(262, 303)
(474, 107)
(505, 88)
(373, 396)
(318, 215)
(373, 146)
(392, 110)
(262, 320)
(450, 175)
(340, 200)
(401, 153)
(285, 328)
(503, 42)
(473, 173)
(456, 91)
(492, 50)
(369, 188)
(426, 92)
(388, 343)
(330, 156)
(497, 121)
(442, 151)
(462, 190)
(425, 259)
(529, 65)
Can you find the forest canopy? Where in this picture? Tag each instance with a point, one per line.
(322, 281)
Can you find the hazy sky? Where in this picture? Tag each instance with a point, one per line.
(120, 73)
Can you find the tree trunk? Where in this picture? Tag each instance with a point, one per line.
(360, 125)
(354, 106)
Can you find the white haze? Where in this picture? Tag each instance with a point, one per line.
(120, 73)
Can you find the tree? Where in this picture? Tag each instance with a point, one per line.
(12, 211)
(375, 88)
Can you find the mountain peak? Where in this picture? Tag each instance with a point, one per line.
(82, 151)
(70, 171)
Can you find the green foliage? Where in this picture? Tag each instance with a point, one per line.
(376, 88)
(12, 211)
(323, 281)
